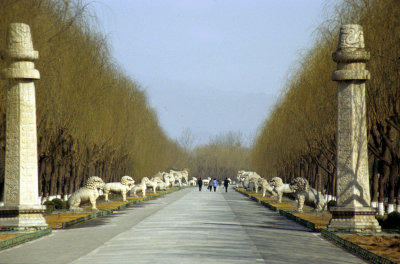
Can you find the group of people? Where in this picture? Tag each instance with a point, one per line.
(213, 184)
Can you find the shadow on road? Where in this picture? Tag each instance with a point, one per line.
(271, 225)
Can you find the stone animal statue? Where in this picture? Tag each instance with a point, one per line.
(185, 175)
(180, 175)
(151, 184)
(159, 176)
(265, 186)
(160, 183)
(159, 179)
(88, 193)
(246, 179)
(280, 188)
(206, 182)
(142, 186)
(308, 195)
(193, 181)
(177, 176)
(168, 179)
(251, 181)
(240, 178)
(122, 187)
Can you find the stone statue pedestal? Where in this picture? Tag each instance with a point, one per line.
(21, 210)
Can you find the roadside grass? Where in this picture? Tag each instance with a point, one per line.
(7, 236)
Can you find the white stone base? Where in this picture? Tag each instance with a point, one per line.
(374, 204)
(22, 217)
(328, 197)
(44, 199)
(381, 208)
(390, 208)
(354, 220)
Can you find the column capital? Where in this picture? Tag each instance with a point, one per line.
(351, 55)
(20, 53)
(351, 37)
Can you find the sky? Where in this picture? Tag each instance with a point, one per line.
(209, 67)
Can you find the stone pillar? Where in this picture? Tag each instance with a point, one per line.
(353, 212)
(21, 210)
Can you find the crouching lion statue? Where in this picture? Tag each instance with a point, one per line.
(305, 193)
(88, 193)
(122, 187)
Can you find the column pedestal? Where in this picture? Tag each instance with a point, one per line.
(354, 220)
(22, 218)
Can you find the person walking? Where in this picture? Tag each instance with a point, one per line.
(226, 184)
(215, 183)
(200, 183)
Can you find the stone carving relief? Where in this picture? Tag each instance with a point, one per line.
(351, 36)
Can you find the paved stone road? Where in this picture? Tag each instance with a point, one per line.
(187, 226)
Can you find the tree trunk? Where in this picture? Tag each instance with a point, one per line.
(381, 198)
(79, 177)
(375, 173)
(62, 180)
(398, 195)
(47, 175)
(333, 175)
(41, 176)
(54, 179)
(392, 185)
(375, 190)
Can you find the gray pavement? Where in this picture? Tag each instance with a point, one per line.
(187, 226)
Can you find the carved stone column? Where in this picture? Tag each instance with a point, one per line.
(353, 212)
(21, 210)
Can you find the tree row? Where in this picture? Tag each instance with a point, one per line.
(299, 137)
(91, 118)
